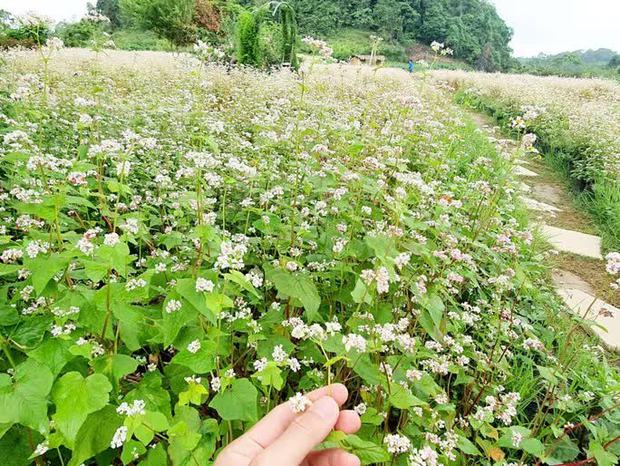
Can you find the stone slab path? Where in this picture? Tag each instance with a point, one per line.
(522, 171)
(533, 204)
(543, 198)
(605, 315)
(573, 241)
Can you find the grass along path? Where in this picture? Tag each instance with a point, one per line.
(578, 268)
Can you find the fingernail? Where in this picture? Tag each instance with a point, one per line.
(326, 407)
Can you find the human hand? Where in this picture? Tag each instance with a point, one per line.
(283, 438)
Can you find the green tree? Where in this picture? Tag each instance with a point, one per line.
(248, 46)
(112, 10)
(170, 19)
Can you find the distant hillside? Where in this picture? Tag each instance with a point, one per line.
(600, 56)
(580, 63)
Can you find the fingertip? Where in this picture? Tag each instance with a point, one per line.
(327, 408)
(351, 460)
(348, 422)
(338, 392)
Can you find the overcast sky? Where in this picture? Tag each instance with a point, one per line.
(553, 26)
(548, 26)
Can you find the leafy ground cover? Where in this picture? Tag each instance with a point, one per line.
(185, 246)
(576, 122)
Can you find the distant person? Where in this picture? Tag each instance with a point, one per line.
(411, 65)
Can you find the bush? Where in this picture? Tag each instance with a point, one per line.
(78, 34)
(349, 42)
(135, 39)
(248, 39)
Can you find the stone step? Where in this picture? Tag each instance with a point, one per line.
(566, 279)
(573, 241)
(522, 171)
(533, 204)
(586, 305)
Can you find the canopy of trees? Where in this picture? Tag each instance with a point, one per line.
(471, 27)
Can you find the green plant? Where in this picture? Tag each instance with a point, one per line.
(248, 39)
(190, 245)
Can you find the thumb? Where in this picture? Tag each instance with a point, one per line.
(304, 433)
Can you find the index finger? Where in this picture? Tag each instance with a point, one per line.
(273, 425)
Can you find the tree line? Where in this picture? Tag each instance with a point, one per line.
(472, 28)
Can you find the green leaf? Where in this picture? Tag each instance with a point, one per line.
(172, 323)
(196, 394)
(533, 446)
(115, 366)
(150, 390)
(238, 402)
(603, 457)
(43, 270)
(95, 434)
(270, 376)
(75, 398)
(186, 288)
(368, 371)
(435, 307)
(16, 446)
(132, 450)
(466, 446)
(402, 398)
(53, 353)
(367, 452)
(23, 398)
(200, 362)
(297, 286)
(116, 257)
(565, 451)
(156, 457)
(382, 245)
(238, 278)
(360, 293)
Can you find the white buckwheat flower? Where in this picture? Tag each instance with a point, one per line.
(299, 403)
(119, 437)
(194, 346)
(204, 285)
(397, 444)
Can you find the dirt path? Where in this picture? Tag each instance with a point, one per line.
(579, 272)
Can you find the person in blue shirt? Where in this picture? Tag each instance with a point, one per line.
(411, 65)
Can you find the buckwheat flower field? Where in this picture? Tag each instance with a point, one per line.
(575, 121)
(184, 246)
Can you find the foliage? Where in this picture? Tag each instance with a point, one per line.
(137, 39)
(349, 42)
(110, 9)
(248, 38)
(190, 245)
(471, 27)
(588, 63)
(171, 19)
(288, 22)
(77, 34)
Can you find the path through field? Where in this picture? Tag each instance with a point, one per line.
(578, 275)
